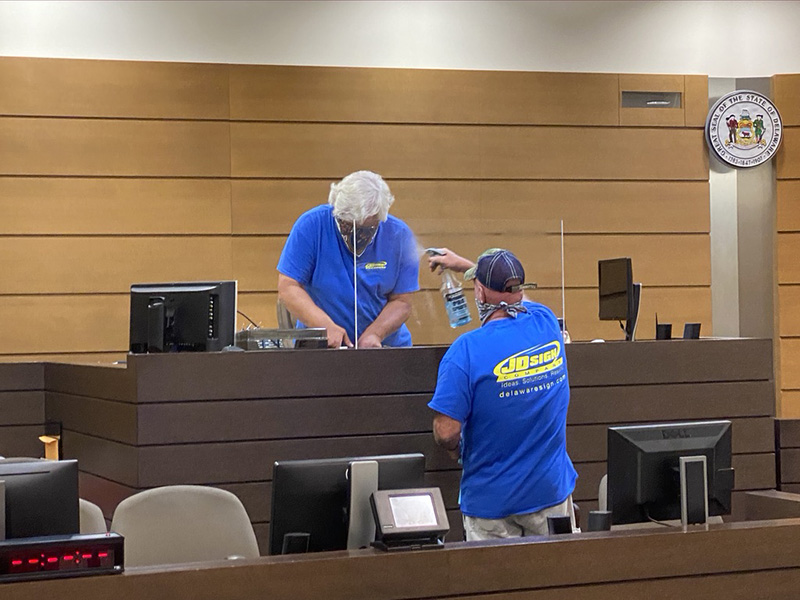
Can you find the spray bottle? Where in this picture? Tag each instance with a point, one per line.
(453, 293)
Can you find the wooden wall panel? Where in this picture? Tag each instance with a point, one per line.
(50, 323)
(113, 172)
(786, 91)
(788, 194)
(38, 264)
(255, 258)
(787, 167)
(460, 152)
(109, 88)
(69, 206)
(789, 310)
(695, 100)
(84, 327)
(290, 93)
(263, 206)
(79, 147)
(787, 160)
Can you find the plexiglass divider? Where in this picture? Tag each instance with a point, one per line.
(385, 270)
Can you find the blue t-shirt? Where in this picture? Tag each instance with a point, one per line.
(506, 383)
(316, 256)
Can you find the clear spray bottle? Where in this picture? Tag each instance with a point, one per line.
(453, 293)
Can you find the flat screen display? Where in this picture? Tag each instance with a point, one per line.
(615, 279)
(413, 511)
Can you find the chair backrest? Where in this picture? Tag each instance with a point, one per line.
(183, 523)
(92, 519)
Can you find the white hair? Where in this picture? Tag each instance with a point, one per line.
(359, 196)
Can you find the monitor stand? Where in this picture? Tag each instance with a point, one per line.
(694, 490)
(630, 324)
(363, 476)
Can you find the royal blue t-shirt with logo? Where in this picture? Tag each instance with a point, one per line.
(316, 256)
(506, 383)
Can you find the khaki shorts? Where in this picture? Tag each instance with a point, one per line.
(534, 523)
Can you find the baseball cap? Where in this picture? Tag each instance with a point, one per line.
(495, 268)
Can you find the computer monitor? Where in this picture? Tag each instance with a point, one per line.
(643, 468)
(41, 497)
(618, 294)
(182, 317)
(311, 496)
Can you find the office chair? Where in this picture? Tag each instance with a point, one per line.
(91, 517)
(183, 523)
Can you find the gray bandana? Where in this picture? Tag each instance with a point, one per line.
(486, 310)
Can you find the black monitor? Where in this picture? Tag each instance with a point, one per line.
(618, 294)
(182, 317)
(311, 496)
(41, 497)
(643, 468)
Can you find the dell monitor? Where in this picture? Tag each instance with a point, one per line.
(618, 295)
(182, 317)
(310, 497)
(644, 473)
(41, 497)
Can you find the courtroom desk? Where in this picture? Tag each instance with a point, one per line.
(787, 448)
(222, 419)
(736, 561)
(21, 409)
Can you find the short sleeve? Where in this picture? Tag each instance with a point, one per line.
(408, 273)
(299, 255)
(453, 395)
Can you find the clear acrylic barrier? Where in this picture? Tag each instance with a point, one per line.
(538, 245)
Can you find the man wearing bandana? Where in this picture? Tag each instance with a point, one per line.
(501, 405)
(316, 268)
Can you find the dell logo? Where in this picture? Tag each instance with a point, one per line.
(672, 434)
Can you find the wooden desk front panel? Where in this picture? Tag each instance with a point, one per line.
(223, 419)
(737, 561)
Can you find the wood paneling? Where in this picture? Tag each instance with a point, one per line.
(788, 206)
(108, 88)
(34, 264)
(695, 100)
(272, 206)
(788, 265)
(789, 310)
(21, 440)
(22, 408)
(790, 363)
(107, 164)
(460, 152)
(785, 92)
(787, 168)
(687, 263)
(87, 147)
(70, 206)
(76, 324)
(290, 93)
(787, 160)
(74, 358)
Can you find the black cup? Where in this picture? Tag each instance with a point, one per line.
(663, 331)
(599, 520)
(556, 524)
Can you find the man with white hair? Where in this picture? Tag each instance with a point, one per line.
(501, 405)
(353, 232)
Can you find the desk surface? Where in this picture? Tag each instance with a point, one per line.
(732, 561)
